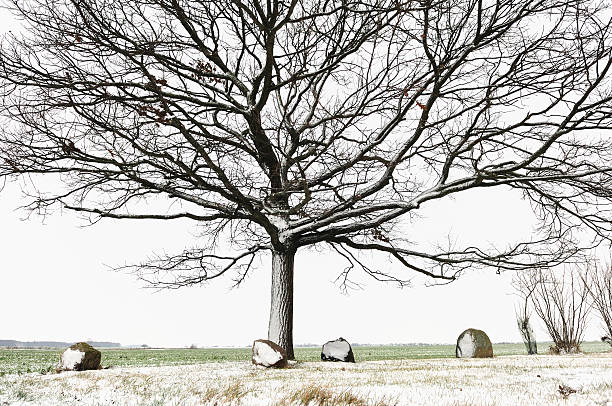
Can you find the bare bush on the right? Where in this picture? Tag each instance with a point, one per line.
(600, 292)
(560, 299)
(525, 289)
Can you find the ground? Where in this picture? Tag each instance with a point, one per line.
(503, 380)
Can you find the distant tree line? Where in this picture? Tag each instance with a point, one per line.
(53, 344)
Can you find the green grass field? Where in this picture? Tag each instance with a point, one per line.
(20, 361)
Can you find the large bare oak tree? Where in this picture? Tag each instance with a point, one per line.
(281, 124)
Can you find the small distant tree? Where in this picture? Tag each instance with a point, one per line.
(523, 315)
(600, 293)
(560, 300)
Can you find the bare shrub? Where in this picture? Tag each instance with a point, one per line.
(527, 333)
(523, 315)
(559, 298)
(600, 293)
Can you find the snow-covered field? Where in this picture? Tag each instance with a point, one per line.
(507, 380)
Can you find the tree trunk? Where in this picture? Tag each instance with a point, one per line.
(280, 329)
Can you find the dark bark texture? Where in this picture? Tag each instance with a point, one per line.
(280, 328)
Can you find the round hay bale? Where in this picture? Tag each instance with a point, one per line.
(473, 343)
(80, 357)
(337, 350)
(268, 354)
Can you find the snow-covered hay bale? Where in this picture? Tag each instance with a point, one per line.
(337, 350)
(269, 354)
(473, 343)
(80, 357)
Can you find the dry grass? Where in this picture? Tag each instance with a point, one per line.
(231, 394)
(499, 381)
(323, 396)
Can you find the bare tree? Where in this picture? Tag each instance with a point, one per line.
(525, 289)
(280, 125)
(560, 299)
(600, 290)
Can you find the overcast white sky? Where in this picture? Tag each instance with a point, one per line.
(54, 284)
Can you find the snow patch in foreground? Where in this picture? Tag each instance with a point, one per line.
(500, 381)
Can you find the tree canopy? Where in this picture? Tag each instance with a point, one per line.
(283, 124)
